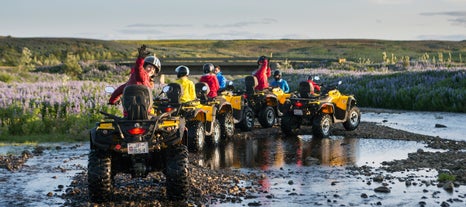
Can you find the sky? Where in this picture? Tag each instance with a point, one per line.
(235, 19)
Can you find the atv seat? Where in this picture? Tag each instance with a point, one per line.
(200, 93)
(306, 89)
(175, 93)
(137, 101)
(251, 83)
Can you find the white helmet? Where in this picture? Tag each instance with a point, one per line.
(153, 61)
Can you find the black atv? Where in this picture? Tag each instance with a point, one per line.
(320, 110)
(137, 144)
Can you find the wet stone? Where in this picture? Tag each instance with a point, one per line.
(382, 189)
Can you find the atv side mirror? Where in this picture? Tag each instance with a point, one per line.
(166, 89)
(109, 89)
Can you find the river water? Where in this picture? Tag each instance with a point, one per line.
(298, 171)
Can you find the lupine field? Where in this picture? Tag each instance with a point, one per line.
(69, 108)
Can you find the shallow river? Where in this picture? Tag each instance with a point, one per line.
(291, 176)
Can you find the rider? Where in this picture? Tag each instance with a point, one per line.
(316, 86)
(279, 82)
(262, 73)
(210, 78)
(222, 81)
(189, 92)
(145, 68)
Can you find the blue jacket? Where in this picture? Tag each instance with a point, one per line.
(222, 81)
(282, 84)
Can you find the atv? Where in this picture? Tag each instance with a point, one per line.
(267, 104)
(242, 113)
(191, 110)
(220, 114)
(137, 144)
(320, 110)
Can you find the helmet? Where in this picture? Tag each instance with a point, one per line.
(153, 61)
(261, 59)
(277, 72)
(208, 68)
(182, 71)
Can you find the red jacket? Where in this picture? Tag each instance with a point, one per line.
(316, 86)
(212, 82)
(262, 74)
(138, 76)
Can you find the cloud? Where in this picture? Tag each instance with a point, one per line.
(139, 31)
(459, 17)
(390, 1)
(157, 25)
(243, 24)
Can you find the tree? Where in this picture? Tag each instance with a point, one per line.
(26, 61)
(71, 66)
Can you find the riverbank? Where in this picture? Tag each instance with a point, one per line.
(229, 186)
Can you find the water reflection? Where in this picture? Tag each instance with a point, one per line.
(276, 152)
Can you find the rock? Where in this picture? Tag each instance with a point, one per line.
(440, 126)
(448, 186)
(444, 204)
(378, 178)
(364, 195)
(382, 189)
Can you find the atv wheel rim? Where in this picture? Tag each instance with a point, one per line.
(325, 126)
(270, 117)
(354, 118)
(201, 137)
(216, 135)
(249, 119)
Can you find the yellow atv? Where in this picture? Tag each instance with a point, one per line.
(220, 110)
(267, 104)
(242, 113)
(197, 117)
(320, 110)
(137, 144)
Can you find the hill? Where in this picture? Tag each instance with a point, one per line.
(356, 50)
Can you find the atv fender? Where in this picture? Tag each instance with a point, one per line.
(224, 108)
(101, 140)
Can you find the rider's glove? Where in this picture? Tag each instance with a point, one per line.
(142, 52)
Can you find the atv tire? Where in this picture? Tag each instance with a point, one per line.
(196, 136)
(267, 117)
(227, 125)
(176, 173)
(99, 176)
(354, 118)
(248, 120)
(289, 124)
(321, 126)
(214, 138)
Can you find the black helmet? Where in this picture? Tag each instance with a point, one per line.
(261, 59)
(182, 71)
(277, 72)
(153, 61)
(208, 68)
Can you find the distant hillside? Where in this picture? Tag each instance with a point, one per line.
(332, 49)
